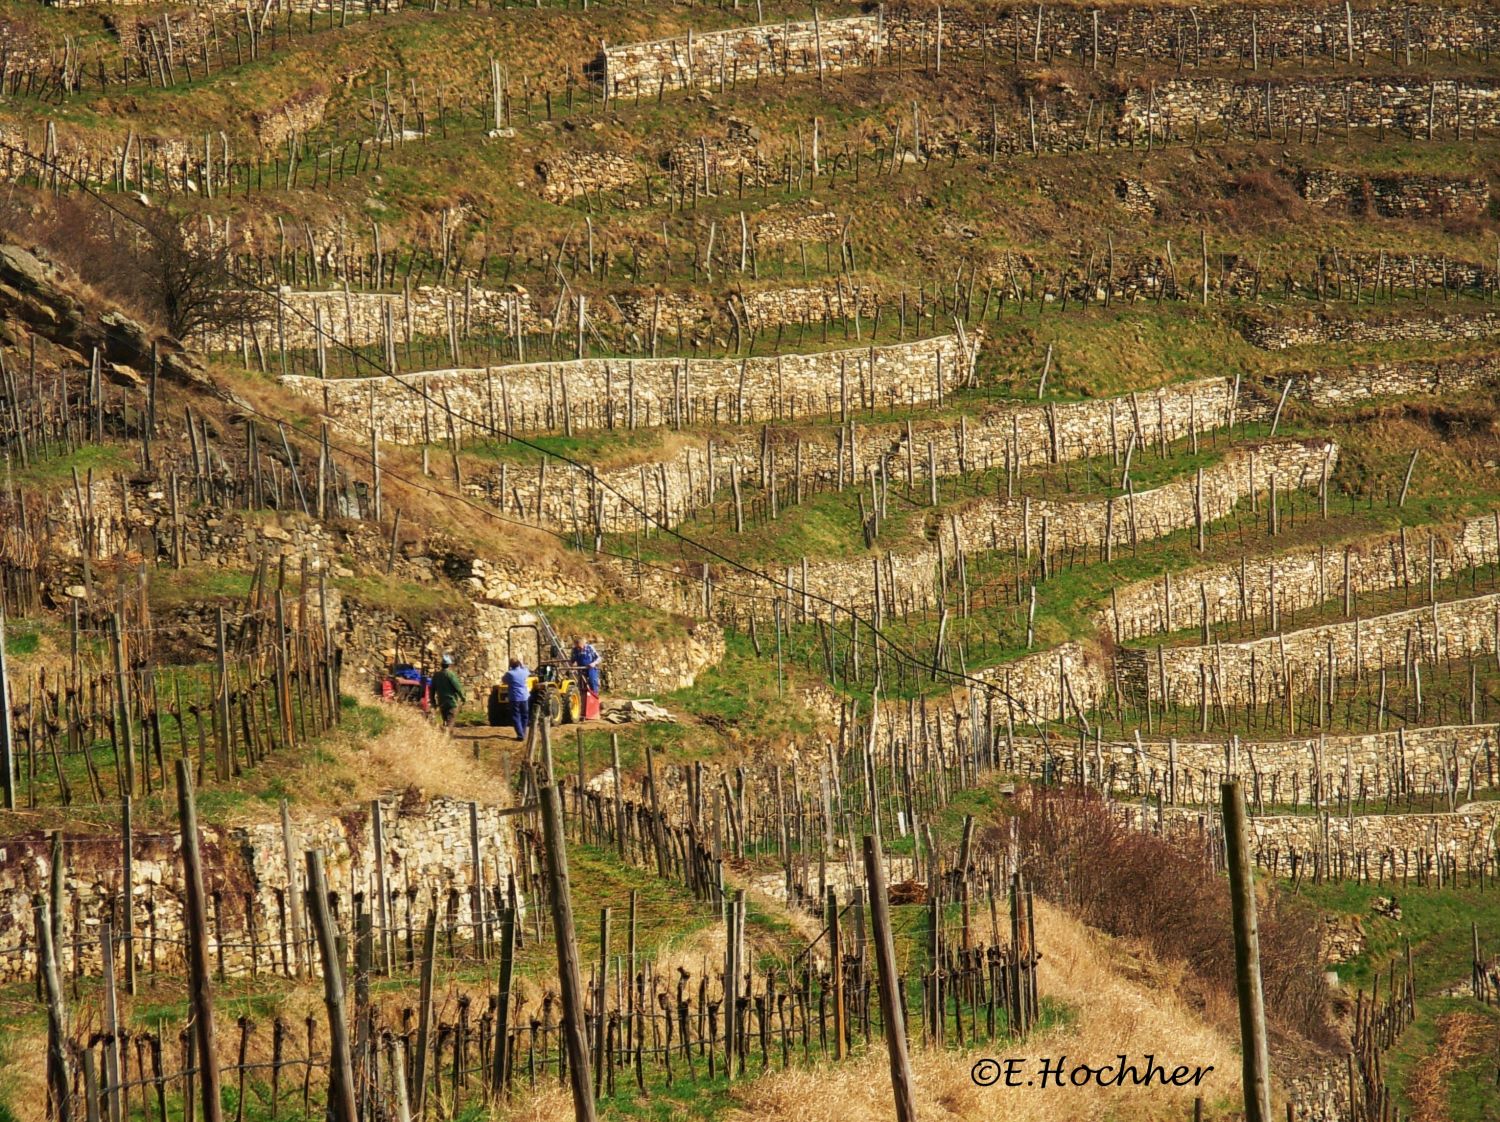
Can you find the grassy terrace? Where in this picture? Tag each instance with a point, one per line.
(1450, 1029)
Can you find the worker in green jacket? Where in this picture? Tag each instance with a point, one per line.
(448, 691)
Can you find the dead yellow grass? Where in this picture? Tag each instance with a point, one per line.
(1113, 1013)
(413, 752)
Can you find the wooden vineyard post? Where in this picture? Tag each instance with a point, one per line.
(836, 965)
(127, 896)
(195, 911)
(501, 1060)
(1246, 955)
(224, 737)
(124, 743)
(599, 1029)
(890, 1001)
(293, 893)
(59, 1080)
(7, 746)
(341, 1107)
(569, 981)
(424, 1008)
(614, 753)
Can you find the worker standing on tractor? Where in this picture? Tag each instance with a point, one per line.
(586, 659)
(517, 681)
(448, 691)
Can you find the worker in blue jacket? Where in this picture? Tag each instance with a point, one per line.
(517, 679)
(586, 658)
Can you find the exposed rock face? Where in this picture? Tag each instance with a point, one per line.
(34, 292)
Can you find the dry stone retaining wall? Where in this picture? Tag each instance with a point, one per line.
(362, 318)
(1398, 195)
(1329, 768)
(534, 396)
(1216, 34)
(1219, 33)
(756, 309)
(1458, 836)
(705, 60)
(1343, 385)
(1403, 102)
(1279, 333)
(1298, 580)
(295, 116)
(1050, 685)
(670, 487)
(570, 175)
(996, 523)
(427, 845)
(1237, 673)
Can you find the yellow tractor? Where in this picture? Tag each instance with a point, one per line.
(552, 676)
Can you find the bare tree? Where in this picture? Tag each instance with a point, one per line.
(187, 282)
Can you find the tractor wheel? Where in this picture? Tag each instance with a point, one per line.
(554, 706)
(572, 709)
(499, 709)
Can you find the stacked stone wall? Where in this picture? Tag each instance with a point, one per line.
(570, 175)
(1297, 580)
(1469, 834)
(1058, 684)
(1398, 195)
(1418, 272)
(359, 319)
(1279, 333)
(1206, 35)
(1239, 673)
(756, 309)
(596, 392)
(1334, 386)
(1217, 34)
(706, 59)
(800, 223)
(427, 847)
(670, 487)
(1309, 770)
(296, 116)
(1402, 102)
(996, 523)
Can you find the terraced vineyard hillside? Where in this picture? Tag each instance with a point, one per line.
(987, 447)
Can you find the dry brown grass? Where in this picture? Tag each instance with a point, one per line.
(1124, 1002)
(1460, 1037)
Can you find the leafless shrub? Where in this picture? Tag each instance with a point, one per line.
(145, 258)
(1135, 884)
